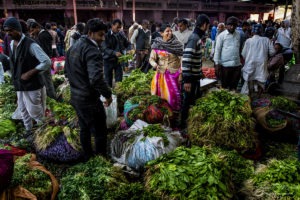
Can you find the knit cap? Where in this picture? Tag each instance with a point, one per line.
(13, 23)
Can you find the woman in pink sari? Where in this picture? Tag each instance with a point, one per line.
(165, 58)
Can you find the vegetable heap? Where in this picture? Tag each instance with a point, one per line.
(224, 119)
(149, 108)
(98, 179)
(8, 99)
(197, 173)
(34, 180)
(7, 127)
(279, 179)
(155, 130)
(138, 83)
(283, 103)
(62, 111)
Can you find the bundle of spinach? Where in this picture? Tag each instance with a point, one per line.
(155, 130)
(283, 103)
(196, 173)
(125, 58)
(138, 83)
(7, 127)
(45, 136)
(62, 110)
(279, 179)
(91, 180)
(34, 180)
(8, 100)
(222, 119)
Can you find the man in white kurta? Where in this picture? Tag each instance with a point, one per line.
(256, 52)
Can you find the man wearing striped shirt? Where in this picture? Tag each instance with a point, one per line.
(191, 67)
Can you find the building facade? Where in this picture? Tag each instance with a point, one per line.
(62, 11)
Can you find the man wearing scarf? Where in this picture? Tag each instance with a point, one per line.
(191, 67)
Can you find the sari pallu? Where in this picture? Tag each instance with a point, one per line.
(166, 85)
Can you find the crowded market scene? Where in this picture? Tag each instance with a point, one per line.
(149, 100)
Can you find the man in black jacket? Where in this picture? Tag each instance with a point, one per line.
(84, 69)
(114, 45)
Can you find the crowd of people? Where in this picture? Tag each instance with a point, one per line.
(246, 53)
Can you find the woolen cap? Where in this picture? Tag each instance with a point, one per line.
(13, 23)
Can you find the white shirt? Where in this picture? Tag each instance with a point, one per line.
(227, 51)
(183, 36)
(284, 37)
(256, 52)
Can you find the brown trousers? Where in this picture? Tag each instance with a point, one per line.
(230, 77)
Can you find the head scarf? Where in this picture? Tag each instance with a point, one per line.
(172, 46)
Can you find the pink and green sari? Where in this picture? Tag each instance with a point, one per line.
(167, 86)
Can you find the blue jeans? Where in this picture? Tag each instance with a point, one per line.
(111, 66)
(92, 120)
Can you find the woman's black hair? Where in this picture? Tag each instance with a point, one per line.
(164, 26)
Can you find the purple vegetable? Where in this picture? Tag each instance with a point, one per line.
(60, 151)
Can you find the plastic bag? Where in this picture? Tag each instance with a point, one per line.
(111, 112)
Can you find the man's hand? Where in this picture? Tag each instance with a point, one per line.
(118, 54)
(107, 102)
(187, 87)
(26, 76)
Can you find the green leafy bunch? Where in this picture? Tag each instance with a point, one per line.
(194, 173)
(91, 180)
(8, 100)
(34, 180)
(125, 58)
(222, 119)
(283, 104)
(138, 83)
(7, 127)
(61, 110)
(155, 130)
(279, 179)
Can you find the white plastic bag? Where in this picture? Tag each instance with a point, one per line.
(111, 111)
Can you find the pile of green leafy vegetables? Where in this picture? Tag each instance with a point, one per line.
(8, 100)
(138, 83)
(7, 127)
(155, 130)
(222, 118)
(197, 173)
(98, 179)
(283, 103)
(62, 110)
(34, 180)
(278, 179)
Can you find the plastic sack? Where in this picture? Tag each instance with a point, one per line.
(111, 112)
(133, 149)
(6, 168)
(144, 150)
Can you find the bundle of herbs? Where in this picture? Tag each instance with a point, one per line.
(278, 179)
(94, 179)
(197, 173)
(8, 100)
(32, 179)
(149, 108)
(138, 83)
(62, 111)
(7, 127)
(222, 118)
(283, 103)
